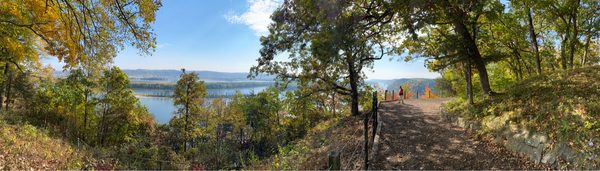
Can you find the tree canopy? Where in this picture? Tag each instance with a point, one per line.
(76, 32)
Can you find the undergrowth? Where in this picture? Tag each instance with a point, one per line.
(564, 105)
(344, 135)
(25, 147)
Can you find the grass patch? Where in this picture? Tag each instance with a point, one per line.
(564, 105)
(25, 147)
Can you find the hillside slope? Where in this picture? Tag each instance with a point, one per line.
(564, 106)
(24, 147)
(343, 135)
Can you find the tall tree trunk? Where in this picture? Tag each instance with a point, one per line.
(85, 115)
(586, 51)
(3, 86)
(333, 103)
(187, 111)
(563, 48)
(105, 110)
(534, 44)
(103, 125)
(8, 87)
(512, 66)
(519, 62)
(353, 87)
(574, 39)
(469, 81)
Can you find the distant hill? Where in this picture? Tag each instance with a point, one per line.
(146, 75)
(150, 75)
(416, 84)
(171, 76)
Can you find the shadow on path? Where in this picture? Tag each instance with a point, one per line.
(414, 137)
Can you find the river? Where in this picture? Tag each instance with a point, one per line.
(162, 108)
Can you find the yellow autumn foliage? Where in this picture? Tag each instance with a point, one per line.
(75, 31)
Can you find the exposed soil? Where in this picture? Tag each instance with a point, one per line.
(413, 136)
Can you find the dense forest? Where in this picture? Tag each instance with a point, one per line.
(483, 49)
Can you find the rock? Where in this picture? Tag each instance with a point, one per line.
(461, 122)
(566, 152)
(551, 156)
(561, 150)
(536, 155)
(538, 140)
(499, 139)
(521, 143)
(513, 144)
(475, 125)
(506, 132)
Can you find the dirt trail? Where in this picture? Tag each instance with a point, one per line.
(413, 136)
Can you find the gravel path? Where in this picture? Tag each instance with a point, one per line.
(414, 137)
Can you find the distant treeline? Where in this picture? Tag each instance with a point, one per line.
(170, 95)
(209, 85)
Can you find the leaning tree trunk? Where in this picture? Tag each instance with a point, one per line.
(534, 45)
(474, 55)
(458, 17)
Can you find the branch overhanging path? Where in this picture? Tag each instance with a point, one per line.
(413, 136)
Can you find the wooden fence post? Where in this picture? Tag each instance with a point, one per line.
(385, 95)
(366, 135)
(374, 117)
(333, 160)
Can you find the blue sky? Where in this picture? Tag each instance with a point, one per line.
(223, 35)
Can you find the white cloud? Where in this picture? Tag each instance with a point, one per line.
(162, 45)
(257, 17)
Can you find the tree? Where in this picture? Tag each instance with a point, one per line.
(567, 22)
(236, 116)
(463, 17)
(80, 33)
(188, 98)
(76, 31)
(534, 43)
(122, 117)
(444, 87)
(329, 42)
(590, 27)
(408, 93)
(261, 112)
(428, 94)
(84, 86)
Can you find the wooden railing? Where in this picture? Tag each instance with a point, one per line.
(374, 120)
(392, 95)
